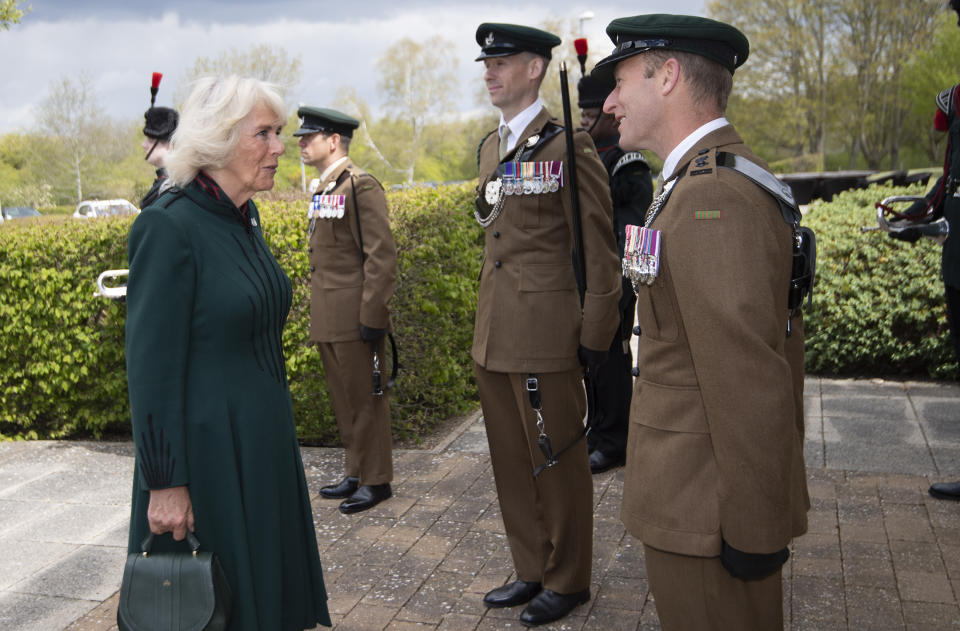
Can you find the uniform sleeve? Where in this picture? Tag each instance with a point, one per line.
(731, 276)
(160, 295)
(379, 251)
(600, 314)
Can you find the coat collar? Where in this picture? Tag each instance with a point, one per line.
(535, 127)
(726, 135)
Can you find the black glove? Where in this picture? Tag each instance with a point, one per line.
(368, 334)
(589, 358)
(749, 566)
(910, 235)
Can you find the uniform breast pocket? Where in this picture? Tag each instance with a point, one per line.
(332, 231)
(528, 210)
(657, 312)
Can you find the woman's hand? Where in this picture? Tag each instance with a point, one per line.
(170, 510)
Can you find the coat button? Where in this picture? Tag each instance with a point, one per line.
(496, 234)
(310, 250)
(635, 371)
(313, 268)
(636, 330)
(497, 263)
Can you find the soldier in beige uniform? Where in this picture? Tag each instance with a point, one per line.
(715, 483)
(353, 266)
(531, 333)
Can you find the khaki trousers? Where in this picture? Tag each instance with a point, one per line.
(548, 519)
(698, 594)
(362, 418)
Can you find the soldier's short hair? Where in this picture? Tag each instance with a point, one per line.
(708, 80)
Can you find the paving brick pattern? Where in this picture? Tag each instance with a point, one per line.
(880, 553)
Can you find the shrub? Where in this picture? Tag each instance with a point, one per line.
(877, 310)
(878, 306)
(62, 352)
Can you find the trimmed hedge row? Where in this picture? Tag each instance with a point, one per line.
(878, 302)
(62, 353)
(878, 310)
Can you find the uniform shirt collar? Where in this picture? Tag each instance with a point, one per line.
(670, 164)
(330, 169)
(520, 122)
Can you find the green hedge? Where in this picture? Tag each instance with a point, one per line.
(62, 352)
(878, 303)
(878, 310)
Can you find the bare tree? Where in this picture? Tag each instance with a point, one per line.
(263, 61)
(71, 115)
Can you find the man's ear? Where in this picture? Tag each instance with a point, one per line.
(535, 69)
(668, 77)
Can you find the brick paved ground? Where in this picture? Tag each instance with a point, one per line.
(880, 554)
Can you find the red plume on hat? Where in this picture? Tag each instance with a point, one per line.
(580, 44)
(154, 86)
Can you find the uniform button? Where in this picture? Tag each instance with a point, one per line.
(496, 234)
(635, 371)
(636, 330)
(312, 268)
(497, 263)
(310, 250)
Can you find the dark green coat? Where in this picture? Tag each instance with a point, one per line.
(210, 405)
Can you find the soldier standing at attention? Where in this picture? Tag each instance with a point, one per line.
(631, 189)
(158, 128)
(715, 485)
(531, 329)
(353, 266)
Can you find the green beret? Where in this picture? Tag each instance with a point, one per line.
(708, 38)
(500, 40)
(325, 120)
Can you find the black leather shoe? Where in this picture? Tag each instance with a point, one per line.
(366, 496)
(600, 462)
(946, 491)
(345, 488)
(548, 606)
(511, 594)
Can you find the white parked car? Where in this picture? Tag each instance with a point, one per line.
(104, 208)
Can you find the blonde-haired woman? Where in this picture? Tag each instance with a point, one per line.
(217, 450)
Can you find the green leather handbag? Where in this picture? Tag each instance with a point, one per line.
(171, 591)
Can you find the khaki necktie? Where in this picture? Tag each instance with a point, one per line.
(504, 140)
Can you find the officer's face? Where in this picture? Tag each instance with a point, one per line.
(254, 162)
(315, 150)
(510, 79)
(634, 105)
(588, 116)
(155, 155)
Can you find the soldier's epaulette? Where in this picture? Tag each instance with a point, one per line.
(358, 179)
(702, 163)
(628, 158)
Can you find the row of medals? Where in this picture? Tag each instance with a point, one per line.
(531, 186)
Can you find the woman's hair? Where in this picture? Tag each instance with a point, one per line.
(208, 131)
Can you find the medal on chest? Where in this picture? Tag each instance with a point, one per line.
(517, 178)
(641, 255)
(324, 206)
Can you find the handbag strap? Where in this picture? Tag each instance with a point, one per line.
(147, 543)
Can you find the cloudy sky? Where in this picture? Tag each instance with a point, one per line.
(119, 43)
